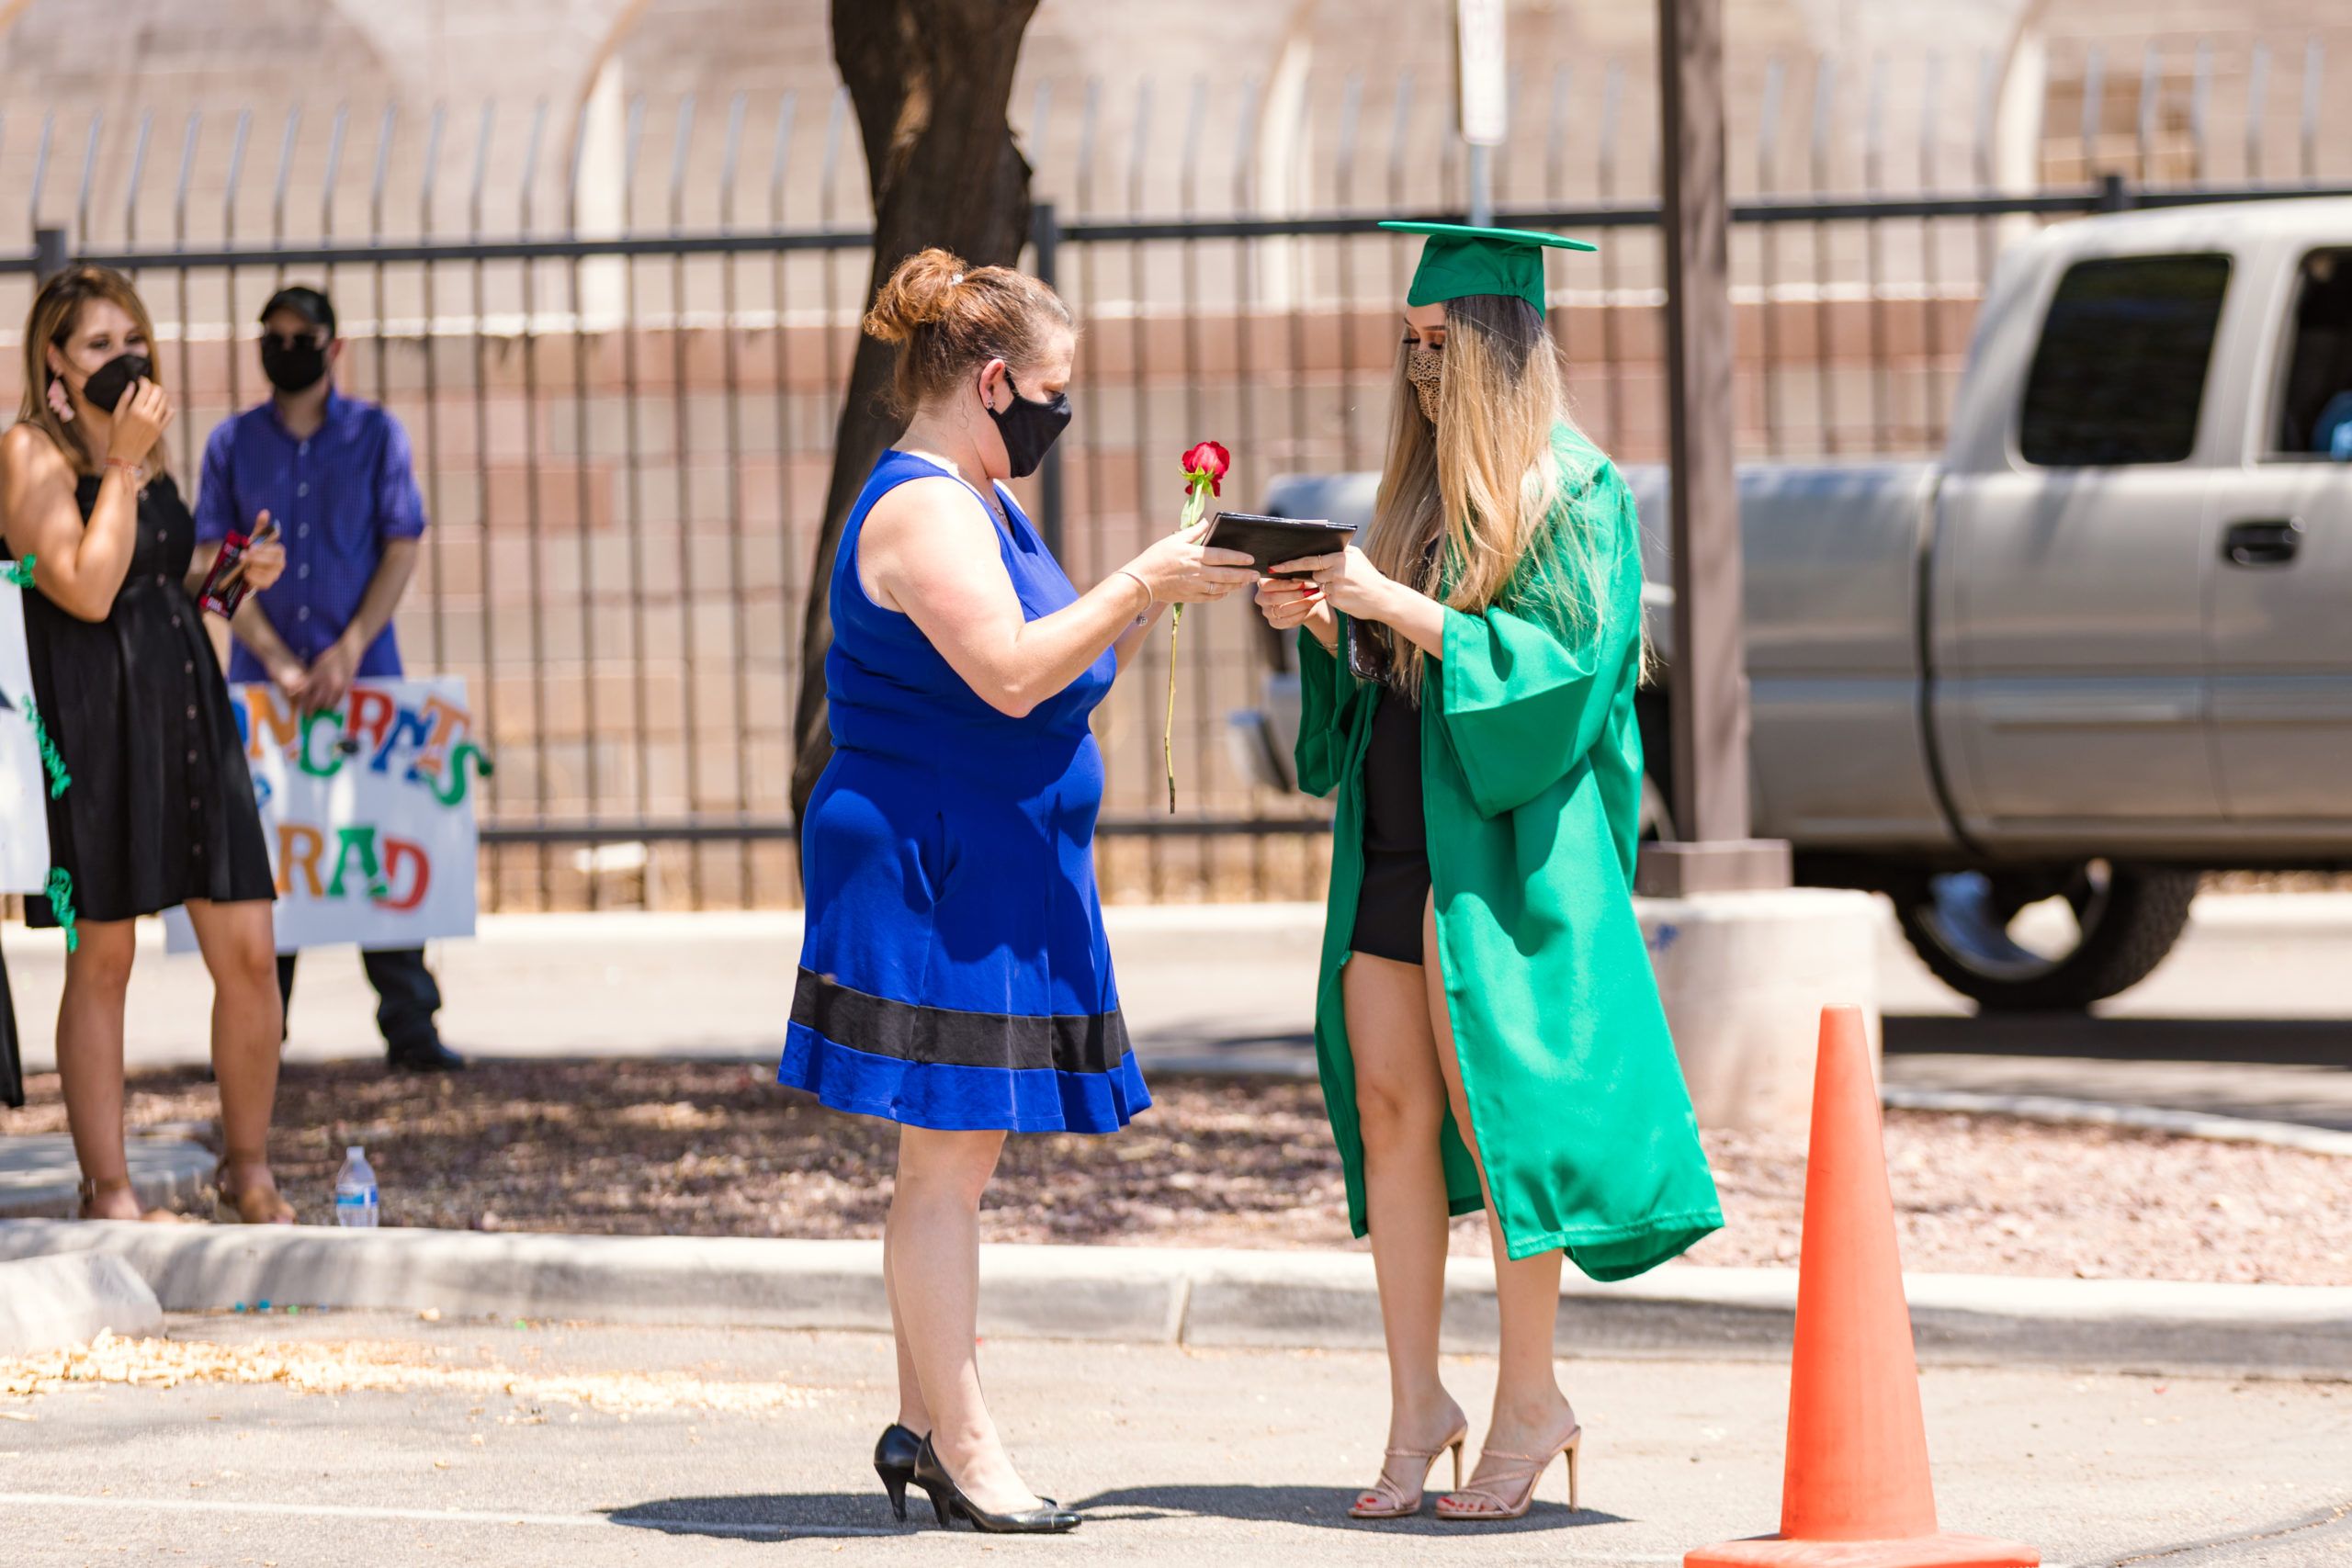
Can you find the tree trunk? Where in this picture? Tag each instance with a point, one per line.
(930, 80)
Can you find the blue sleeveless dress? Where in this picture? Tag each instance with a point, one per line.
(955, 973)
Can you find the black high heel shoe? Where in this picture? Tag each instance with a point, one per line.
(948, 1502)
(894, 1462)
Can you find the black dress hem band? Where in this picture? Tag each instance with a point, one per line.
(1094, 1043)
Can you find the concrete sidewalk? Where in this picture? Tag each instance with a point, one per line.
(2248, 1015)
(626, 983)
(1194, 1297)
(559, 1444)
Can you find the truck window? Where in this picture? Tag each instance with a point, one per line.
(2315, 418)
(2120, 373)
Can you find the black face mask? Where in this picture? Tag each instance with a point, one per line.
(292, 367)
(110, 382)
(1028, 428)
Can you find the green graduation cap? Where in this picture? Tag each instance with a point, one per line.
(1460, 259)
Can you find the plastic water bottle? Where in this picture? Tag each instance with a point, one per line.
(356, 1205)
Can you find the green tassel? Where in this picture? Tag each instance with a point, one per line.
(51, 758)
(61, 904)
(20, 572)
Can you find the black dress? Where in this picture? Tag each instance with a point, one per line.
(161, 809)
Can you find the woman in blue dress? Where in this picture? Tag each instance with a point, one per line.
(955, 978)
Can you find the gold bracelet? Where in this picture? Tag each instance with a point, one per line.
(138, 471)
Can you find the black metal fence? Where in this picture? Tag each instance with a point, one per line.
(622, 395)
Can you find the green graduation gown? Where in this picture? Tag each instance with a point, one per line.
(1530, 774)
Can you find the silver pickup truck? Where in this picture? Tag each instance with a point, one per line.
(2032, 690)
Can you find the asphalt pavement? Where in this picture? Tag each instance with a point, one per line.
(1179, 1456)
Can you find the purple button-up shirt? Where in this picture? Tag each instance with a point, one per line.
(338, 497)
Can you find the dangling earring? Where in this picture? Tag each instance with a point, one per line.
(60, 403)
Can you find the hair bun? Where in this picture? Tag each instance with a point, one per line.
(918, 292)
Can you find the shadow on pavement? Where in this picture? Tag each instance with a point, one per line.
(1323, 1506)
(2324, 1042)
(770, 1516)
(790, 1515)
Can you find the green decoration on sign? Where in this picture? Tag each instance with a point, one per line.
(359, 842)
(333, 719)
(20, 572)
(451, 788)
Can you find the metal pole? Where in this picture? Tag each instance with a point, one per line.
(50, 252)
(1482, 185)
(1045, 235)
(1710, 686)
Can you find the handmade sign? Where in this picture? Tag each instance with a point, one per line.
(368, 809)
(24, 777)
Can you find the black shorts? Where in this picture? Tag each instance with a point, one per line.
(1395, 838)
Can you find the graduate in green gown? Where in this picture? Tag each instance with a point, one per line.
(1488, 1027)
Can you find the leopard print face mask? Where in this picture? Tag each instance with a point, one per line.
(1425, 368)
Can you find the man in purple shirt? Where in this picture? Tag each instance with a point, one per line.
(337, 474)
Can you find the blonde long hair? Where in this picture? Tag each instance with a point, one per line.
(57, 309)
(1483, 479)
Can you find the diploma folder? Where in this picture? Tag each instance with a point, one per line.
(1270, 541)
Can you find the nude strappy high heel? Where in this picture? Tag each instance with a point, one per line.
(1393, 1502)
(241, 1208)
(1512, 1492)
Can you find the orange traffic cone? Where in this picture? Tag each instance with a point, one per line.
(1856, 1492)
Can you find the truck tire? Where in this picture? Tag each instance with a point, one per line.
(1961, 925)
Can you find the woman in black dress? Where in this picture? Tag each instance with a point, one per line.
(159, 809)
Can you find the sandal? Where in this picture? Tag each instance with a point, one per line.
(1392, 1501)
(91, 1191)
(233, 1207)
(1519, 1472)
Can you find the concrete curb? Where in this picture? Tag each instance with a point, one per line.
(1322, 1300)
(2147, 1118)
(47, 1304)
(40, 1178)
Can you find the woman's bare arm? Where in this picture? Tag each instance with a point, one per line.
(80, 567)
(930, 548)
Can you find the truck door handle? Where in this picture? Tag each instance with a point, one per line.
(2267, 541)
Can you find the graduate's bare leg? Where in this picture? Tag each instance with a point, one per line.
(1400, 1102)
(1531, 1415)
(933, 1240)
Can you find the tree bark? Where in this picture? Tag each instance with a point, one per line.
(930, 80)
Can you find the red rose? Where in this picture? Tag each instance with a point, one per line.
(1208, 461)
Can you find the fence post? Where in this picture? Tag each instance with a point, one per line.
(1045, 235)
(49, 253)
(1709, 702)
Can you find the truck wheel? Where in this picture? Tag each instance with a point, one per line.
(2048, 941)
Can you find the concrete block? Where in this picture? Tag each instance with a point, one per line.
(1744, 977)
(40, 1178)
(1134, 1294)
(48, 1303)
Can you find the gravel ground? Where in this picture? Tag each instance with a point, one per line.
(716, 1149)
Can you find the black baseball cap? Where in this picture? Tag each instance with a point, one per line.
(308, 303)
